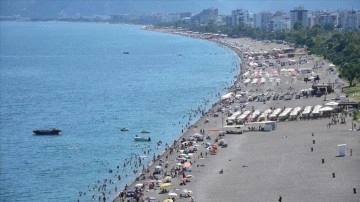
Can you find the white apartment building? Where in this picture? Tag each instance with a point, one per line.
(280, 23)
(262, 20)
(239, 16)
(349, 20)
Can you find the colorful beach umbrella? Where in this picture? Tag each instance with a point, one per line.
(165, 185)
(167, 178)
(187, 165)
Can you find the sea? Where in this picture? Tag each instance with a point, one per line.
(90, 80)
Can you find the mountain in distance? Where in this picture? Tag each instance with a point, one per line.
(56, 8)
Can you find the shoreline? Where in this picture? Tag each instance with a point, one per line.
(203, 191)
(151, 165)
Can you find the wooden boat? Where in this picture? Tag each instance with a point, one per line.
(142, 139)
(52, 131)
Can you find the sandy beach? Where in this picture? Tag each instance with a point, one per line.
(299, 160)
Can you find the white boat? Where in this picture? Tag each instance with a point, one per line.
(142, 139)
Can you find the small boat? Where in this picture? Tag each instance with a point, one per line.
(52, 131)
(145, 131)
(126, 52)
(142, 139)
(124, 129)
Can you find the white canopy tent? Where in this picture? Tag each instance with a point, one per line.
(326, 109)
(332, 103)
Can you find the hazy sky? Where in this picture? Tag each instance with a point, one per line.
(43, 8)
(225, 6)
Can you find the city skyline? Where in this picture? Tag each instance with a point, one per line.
(45, 8)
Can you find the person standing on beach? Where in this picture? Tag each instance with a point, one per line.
(280, 198)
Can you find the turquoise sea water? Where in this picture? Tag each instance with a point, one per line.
(74, 76)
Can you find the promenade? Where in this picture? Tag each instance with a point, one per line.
(299, 160)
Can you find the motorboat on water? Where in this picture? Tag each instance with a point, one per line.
(142, 139)
(52, 131)
(124, 129)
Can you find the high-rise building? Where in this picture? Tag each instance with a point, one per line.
(263, 20)
(208, 15)
(349, 20)
(239, 16)
(280, 23)
(325, 17)
(299, 14)
(251, 20)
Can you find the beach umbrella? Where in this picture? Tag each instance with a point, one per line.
(151, 198)
(165, 185)
(197, 135)
(158, 167)
(186, 142)
(172, 194)
(179, 164)
(186, 165)
(167, 178)
(187, 191)
(139, 185)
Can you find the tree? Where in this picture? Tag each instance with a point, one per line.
(315, 30)
(298, 26)
(329, 26)
(350, 71)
